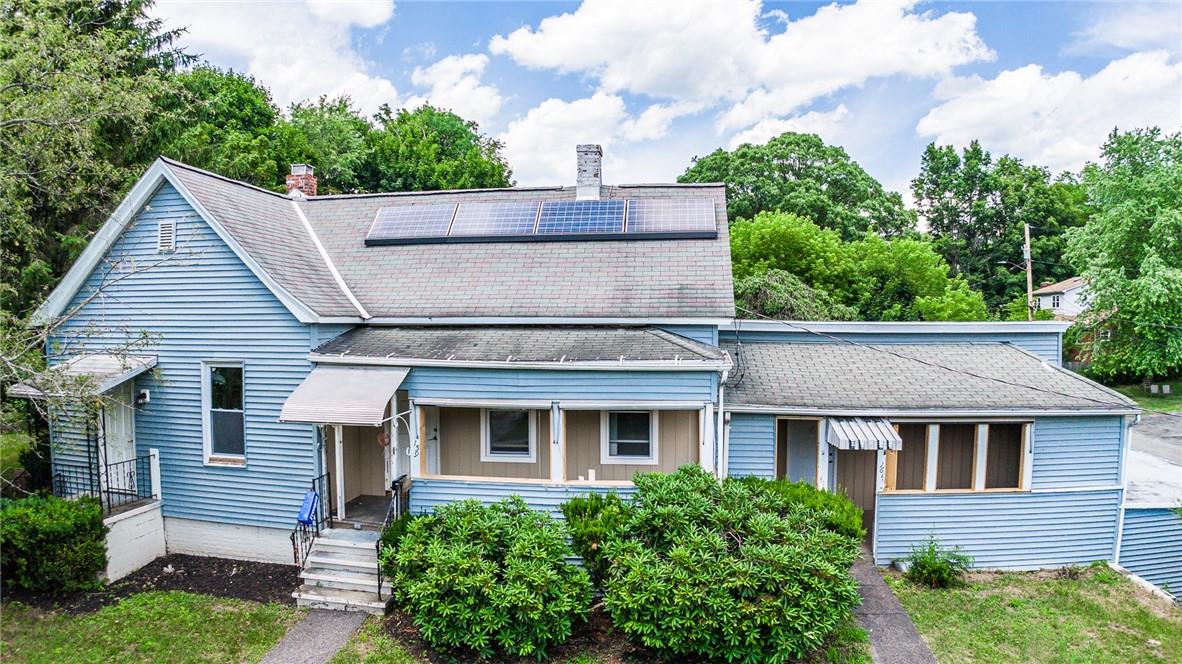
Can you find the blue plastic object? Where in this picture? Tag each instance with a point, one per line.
(308, 508)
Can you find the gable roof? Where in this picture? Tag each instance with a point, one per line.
(1061, 287)
(568, 347)
(898, 379)
(311, 253)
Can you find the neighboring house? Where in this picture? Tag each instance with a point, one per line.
(1064, 299)
(546, 342)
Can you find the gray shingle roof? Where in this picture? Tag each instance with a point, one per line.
(686, 278)
(887, 378)
(522, 344)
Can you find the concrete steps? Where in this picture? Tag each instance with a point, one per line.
(341, 573)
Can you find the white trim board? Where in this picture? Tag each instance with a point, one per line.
(332, 268)
(143, 191)
(606, 365)
(949, 413)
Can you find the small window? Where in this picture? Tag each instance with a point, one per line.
(225, 422)
(1054, 301)
(954, 456)
(629, 437)
(166, 237)
(1003, 458)
(508, 435)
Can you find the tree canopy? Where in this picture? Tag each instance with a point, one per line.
(1130, 255)
(800, 174)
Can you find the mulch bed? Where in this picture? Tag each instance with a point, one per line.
(220, 577)
(596, 637)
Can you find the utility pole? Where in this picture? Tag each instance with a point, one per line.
(1029, 275)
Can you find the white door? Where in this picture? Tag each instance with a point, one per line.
(119, 438)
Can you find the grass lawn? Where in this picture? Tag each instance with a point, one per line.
(1145, 400)
(11, 445)
(149, 627)
(373, 644)
(1044, 617)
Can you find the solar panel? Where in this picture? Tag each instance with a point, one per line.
(671, 215)
(489, 219)
(412, 221)
(581, 217)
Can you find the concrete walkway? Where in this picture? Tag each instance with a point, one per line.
(316, 638)
(893, 637)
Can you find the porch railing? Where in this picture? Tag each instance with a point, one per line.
(114, 484)
(306, 531)
(399, 497)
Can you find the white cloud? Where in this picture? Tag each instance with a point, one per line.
(299, 51)
(829, 125)
(1058, 120)
(1130, 27)
(455, 83)
(541, 144)
(705, 51)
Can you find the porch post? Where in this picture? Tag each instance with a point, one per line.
(929, 478)
(339, 448)
(706, 439)
(822, 456)
(393, 439)
(981, 452)
(154, 472)
(416, 441)
(557, 443)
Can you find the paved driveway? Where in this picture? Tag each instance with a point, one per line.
(1155, 460)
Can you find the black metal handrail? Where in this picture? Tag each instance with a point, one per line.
(303, 535)
(397, 507)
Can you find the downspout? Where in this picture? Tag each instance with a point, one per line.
(721, 444)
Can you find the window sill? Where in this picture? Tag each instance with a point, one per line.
(507, 458)
(226, 462)
(624, 461)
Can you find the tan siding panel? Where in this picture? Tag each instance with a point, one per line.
(913, 458)
(459, 447)
(1003, 462)
(954, 462)
(677, 439)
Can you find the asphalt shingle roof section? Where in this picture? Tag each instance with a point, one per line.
(522, 344)
(844, 377)
(267, 227)
(683, 278)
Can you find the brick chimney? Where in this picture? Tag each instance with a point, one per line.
(589, 160)
(302, 181)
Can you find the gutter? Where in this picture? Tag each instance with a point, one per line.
(592, 365)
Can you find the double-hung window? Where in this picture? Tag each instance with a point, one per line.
(628, 437)
(223, 417)
(508, 435)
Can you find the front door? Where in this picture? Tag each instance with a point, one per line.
(118, 430)
(856, 478)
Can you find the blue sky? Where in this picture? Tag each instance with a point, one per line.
(659, 82)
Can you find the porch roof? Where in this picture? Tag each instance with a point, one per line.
(100, 371)
(894, 379)
(863, 433)
(344, 395)
(522, 346)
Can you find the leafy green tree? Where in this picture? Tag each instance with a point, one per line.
(976, 207)
(800, 174)
(796, 245)
(431, 149)
(1130, 255)
(332, 136)
(905, 279)
(78, 82)
(784, 296)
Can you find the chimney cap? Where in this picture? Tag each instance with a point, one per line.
(302, 169)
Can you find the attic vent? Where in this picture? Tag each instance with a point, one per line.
(166, 237)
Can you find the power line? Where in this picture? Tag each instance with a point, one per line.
(955, 370)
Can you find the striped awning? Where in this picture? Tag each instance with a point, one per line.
(863, 433)
(344, 395)
(100, 372)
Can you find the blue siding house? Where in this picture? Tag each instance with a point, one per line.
(399, 351)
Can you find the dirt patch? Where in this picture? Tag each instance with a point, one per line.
(220, 577)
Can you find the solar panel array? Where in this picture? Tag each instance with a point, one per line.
(504, 221)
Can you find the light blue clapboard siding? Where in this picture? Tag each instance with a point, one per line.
(1003, 531)
(752, 445)
(448, 383)
(1043, 344)
(322, 334)
(1077, 452)
(1151, 547)
(707, 334)
(203, 303)
(68, 432)
(426, 494)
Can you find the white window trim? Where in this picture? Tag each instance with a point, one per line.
(211, 459)
(486, 453)
(1056, 301)
(605, 458)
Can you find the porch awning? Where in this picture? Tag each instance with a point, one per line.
(863, 433)
(344, 395)
(102, 371)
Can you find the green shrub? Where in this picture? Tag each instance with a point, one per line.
(837, 512)
(594, 520)
(48, 544)
(727, 570)
(932, 565)
(491, 579)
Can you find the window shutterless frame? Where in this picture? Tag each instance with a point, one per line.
(211, 458)
(605, 455)
(486, 453)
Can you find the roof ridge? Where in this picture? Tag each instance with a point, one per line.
(202, 171)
